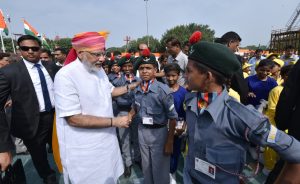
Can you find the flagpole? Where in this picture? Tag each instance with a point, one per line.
(10, 31)
(3, 48)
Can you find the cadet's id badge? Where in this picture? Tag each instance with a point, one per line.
(205, 168)
(147, 120)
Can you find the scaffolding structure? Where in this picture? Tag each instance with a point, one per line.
(282, 38)
(288, 36)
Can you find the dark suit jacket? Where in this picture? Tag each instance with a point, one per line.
(239, 84)
(288, 107)
(15, 82)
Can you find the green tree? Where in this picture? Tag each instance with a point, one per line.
(63, 43)
(183, 32)
(154, 43)
(8, 44)
(254, 47)
(112, 49)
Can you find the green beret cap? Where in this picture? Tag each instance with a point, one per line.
(216, 57)
(126, 59)
(113, 61)
(146, 58)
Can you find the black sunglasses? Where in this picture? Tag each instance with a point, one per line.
(25, 48)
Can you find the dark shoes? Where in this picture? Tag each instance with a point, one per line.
(127, 172)
(51, 179)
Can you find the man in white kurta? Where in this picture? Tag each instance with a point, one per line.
(86, 130)
(88, 155)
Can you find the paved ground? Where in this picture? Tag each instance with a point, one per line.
(136, 178)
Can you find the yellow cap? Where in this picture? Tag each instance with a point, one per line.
(245, 65)
(272, 54)
(279, 61)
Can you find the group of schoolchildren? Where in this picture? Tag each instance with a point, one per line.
(153, 140)
(266, 78)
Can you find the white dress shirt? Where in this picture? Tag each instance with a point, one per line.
(182, 60)
(35, 78)
(90, 156)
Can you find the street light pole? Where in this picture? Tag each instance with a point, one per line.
(147, 21)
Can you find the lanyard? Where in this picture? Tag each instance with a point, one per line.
(145, 85)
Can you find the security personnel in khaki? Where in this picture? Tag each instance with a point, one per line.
(220, 128)
(154, 104)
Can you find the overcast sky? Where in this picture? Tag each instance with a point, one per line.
(253, 20)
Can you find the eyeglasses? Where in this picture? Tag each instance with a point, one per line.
(96, 54)
(25, 48)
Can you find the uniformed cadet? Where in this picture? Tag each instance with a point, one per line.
(115, 73)
(219, 128)
(113, 78)
(124, 104)
(154, 103)
(105, 66)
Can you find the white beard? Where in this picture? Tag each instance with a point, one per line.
(92, 68)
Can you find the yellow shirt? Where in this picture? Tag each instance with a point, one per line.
(245, 75)
(272, 103)
(279, 81)
(234, 94)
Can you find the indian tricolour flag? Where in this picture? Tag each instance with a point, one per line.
(44, 42)
(3, 26)
(29, 30)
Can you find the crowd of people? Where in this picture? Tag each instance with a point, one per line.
(113, 110)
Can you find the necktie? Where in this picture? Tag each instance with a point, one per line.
(45, 91)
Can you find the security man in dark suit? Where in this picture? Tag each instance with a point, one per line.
(29, 83)
(238, 83)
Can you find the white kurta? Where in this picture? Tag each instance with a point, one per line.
(89, 156)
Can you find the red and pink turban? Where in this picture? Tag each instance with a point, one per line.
(87, 41)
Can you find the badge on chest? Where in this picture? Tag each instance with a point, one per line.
(147, 120)
(205, 168)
